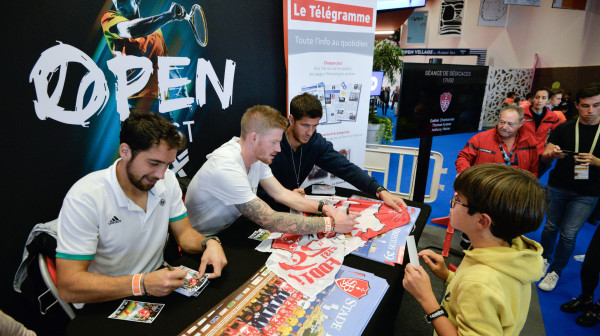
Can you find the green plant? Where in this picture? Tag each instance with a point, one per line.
(386, 58)
(384, 134)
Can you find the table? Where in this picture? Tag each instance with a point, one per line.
(243, 261)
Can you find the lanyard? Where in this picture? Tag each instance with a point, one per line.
(577, 138)
(296, 173)
(507, 157)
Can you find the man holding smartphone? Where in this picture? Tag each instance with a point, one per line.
(574, 183)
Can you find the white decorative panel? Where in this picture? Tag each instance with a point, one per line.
(500, 81)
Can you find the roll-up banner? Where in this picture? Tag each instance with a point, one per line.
(329, 48)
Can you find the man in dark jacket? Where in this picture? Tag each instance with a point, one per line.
(385, 99)
(302, 148)
(395, 96)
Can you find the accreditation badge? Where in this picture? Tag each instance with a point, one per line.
(582, 172)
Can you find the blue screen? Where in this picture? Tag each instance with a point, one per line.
(376, 81)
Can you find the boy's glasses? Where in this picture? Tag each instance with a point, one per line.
(454, 200)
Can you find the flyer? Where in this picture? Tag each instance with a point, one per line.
(137, 311)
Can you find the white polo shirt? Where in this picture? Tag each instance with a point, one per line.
(98, 222)
(220, 184)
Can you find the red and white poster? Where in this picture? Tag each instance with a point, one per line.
(310, 262)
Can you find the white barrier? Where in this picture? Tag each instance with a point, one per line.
(377, 159)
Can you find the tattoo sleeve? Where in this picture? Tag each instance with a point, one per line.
(261, 213)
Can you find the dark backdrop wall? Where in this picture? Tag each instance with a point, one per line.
(43, 158)
(571, 78)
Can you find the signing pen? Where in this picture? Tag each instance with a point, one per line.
(168, 266)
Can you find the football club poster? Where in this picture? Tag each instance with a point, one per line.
(266, 305)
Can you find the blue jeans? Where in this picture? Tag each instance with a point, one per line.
(566, 214)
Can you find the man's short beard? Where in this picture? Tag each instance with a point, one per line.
(137, 183)
(297, 138)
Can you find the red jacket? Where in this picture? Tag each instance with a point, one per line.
(561, 116)
(540, 136)
(484, 147)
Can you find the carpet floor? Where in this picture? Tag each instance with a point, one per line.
(545, 317)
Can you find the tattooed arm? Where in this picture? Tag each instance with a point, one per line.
(260, 213)
(287, 197)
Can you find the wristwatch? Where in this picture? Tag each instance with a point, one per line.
(209, 238)
(436, 314)
(320, 208)
(379, 190)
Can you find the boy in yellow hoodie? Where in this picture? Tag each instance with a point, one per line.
(489, 293)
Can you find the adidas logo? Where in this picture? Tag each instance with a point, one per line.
(114, 220)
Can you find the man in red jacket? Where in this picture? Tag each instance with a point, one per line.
(539, 121)
(506, 144)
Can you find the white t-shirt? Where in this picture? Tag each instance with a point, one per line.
(220, 184)
(98, 222)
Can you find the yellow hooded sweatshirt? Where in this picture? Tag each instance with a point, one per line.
(490, 292)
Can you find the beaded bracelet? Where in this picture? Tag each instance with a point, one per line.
(144, 284)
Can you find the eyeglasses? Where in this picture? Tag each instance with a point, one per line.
(454, 200)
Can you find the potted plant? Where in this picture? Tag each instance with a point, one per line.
(380, 128)
(386, 58)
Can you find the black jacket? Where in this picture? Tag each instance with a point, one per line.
(318, 151)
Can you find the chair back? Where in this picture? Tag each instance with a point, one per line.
(48, 272)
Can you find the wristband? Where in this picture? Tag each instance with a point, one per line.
(321, 205)
(328, 225)
(379, 191)
(332, 224)
(436, 314)
(136, 284)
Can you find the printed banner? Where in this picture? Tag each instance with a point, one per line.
(268, 305)
(329, 54)
(193, 68)
(70, 87)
